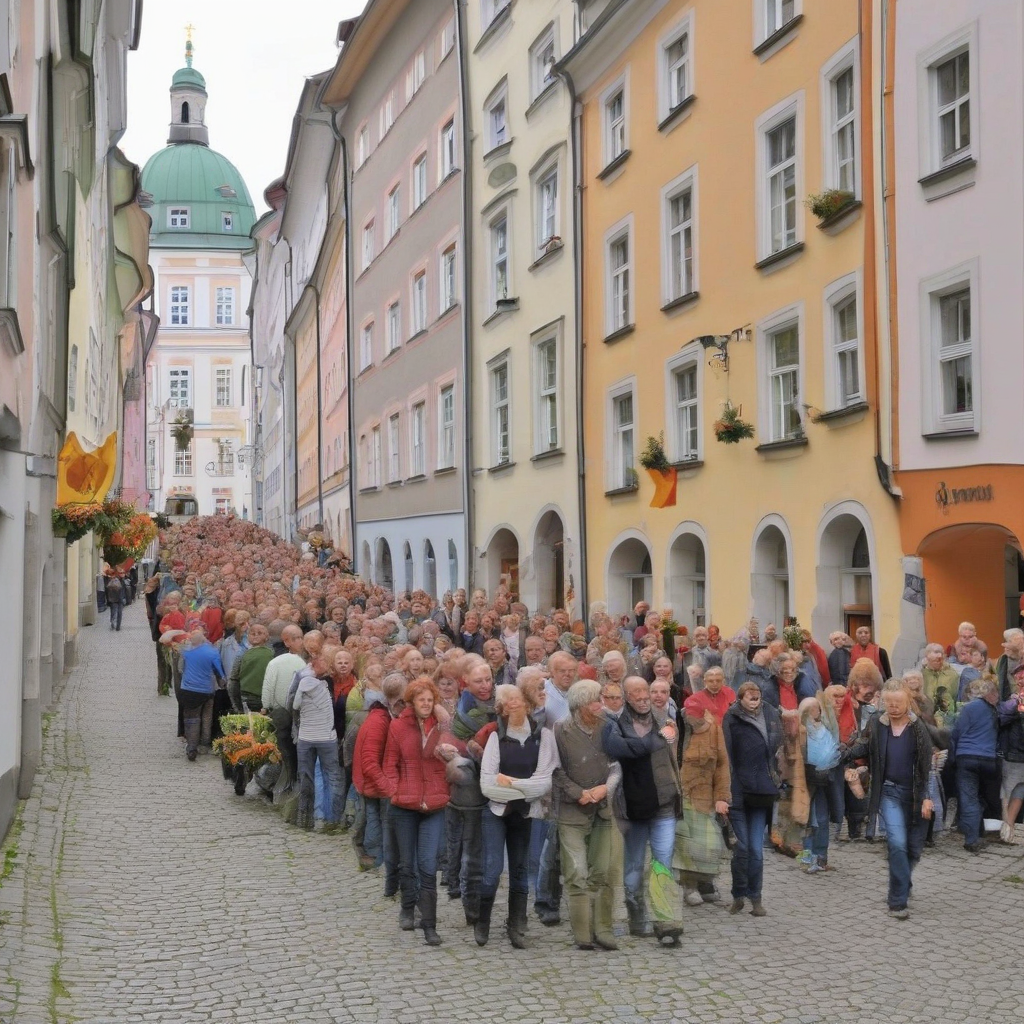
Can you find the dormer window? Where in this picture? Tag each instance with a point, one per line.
(227, 192)
(184, 113)
(227, 222)
(177, 217)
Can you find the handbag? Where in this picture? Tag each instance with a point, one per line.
(728, 832)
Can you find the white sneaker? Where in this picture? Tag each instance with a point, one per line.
(693, 898)
(1006, 832)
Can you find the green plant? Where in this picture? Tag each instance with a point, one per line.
(793, 634)
(632, 478)
(182, 432)
(828, 203)
(653, 454)
(730, 428)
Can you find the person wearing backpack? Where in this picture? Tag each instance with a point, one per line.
(114, 589)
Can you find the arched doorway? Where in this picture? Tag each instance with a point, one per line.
(366, 561)
(629, 576)
(384, 574)
(687, 580)
(503, 562)
(409, 568)
(770, 578)
(844, 576)
(429, 569)
(549, 562)
(453, 566)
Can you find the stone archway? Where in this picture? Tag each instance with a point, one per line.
(384, 573)
(771, 585)
(429, 569)
(502, 561)
(549, 563)
(845, 572)
(688, 579)
(629, 578)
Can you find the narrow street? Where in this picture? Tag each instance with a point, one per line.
(141, 889)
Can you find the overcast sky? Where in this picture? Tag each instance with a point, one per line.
(255, 56)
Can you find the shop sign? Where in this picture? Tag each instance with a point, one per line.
(946, 497)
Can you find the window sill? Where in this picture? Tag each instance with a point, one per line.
(504, 306)
(550, 252)
(10, 331)
(620, 333)
(499, 21)
(553, 453)
(682, 300)
(416, 478)
(542, 97)
(780, 256)
(498, 151)
(687, 464)
(675, 115)
(500, 467)
(612, 166)
(951, 435)
(837, 415)
(616, 492)
(445, 313)
(365, 370)
(392, 353)
(395, 483)
(780, 35)
(368, 490)
(444, 471)
(842, 217)
(414, 337)
(968, 163)
(780, 446)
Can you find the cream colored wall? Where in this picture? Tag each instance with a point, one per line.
(736, 488)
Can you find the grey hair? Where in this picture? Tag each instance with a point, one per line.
(393, 686)
(613, 656)
(527, 673)
(913, 672)
(1013, 634)
(502, 694)
(932, 648)
(894, 686)
(982, 687)
(582, 693)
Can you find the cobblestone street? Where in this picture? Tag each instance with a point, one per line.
(141, 889)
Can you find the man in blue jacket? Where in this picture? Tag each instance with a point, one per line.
(974, 743)
(202, 669)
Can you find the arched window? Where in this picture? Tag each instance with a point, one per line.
(184, 113)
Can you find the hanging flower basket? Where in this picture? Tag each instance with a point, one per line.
(730, 428)
(73, 521)
(182, 432)
(664, 487)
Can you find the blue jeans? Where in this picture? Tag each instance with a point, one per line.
(464, 867)
(817, 840)
(419, 840)
(373, 837)
(548, 889)
(660, 834)
(905, 830)
(116, 606)
(326, 753)
(973, 774)
(749, 824)
(509, 832)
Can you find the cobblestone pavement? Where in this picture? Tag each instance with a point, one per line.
(142, 889)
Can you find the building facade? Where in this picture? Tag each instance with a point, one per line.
(199, 370)
(711, 292)
(524, 410)
(398, 86)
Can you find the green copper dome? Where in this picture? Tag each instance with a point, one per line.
(192, 177)
(188, 76)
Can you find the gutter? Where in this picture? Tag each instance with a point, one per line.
(319, 416)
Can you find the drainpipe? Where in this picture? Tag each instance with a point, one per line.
(467, 296)
(576, 142)
(319, 416)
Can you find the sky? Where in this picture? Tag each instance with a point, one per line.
(255, 56)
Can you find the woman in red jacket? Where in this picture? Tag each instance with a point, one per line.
(414, 779)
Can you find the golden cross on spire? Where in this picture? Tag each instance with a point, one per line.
(189, 29)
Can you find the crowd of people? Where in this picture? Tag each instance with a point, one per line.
(472, 739)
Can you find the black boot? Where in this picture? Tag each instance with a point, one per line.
(240, 780)
(428, 915)
(639, 925)
(516, 924)
(482, 926)
(471, 904)
(407, 916)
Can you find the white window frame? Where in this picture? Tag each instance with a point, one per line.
(680, 447)
(547, 395)
(669, 99)
(418, 439)
(392, 213)
(771, 325)
(500, 260)
(394, 448)
(448, 149)
(845, 59)
(179, 218)
(183, 460)
(964, 40)
(393, 326)
(72, 378)
(448, 38)
(152, 480)
(836, 295)
(180, 305)
(763, 24)
(227, 221)
(490, 9)
(368, 243)
(790, 108)
(963, 277)
(222, 387)
(224, 309)
(179, 378)
(419, 181)
(685, 182)
(498, 128)
(541, 77)
(448, 277)
(617, 319)
(615, 463)
(446, 428)
(499, 371)
(547, 200)
(366, 346)
(375, 457)
(362, 145)
(418, 297)
(387, 114)
(615, 137)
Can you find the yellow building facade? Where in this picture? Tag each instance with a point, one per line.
(710, 285)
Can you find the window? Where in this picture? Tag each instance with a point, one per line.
(955, 364)
(392, 220)
(844, 372)
(542, 62)
(222, 398)
(948, 139)
(617, 257)
(387, 114)
(953, 96)
(151, 475)
(180, 389)
(448, 161)
(547, 207)
(367, 244)
(178, 217)
(446, 420)
(675, 71)
(417, 75)
(449, 285)
(394, 455)
(225, 458)
(447, 39)
(679, 227)
(224, 314)
(784, 382)
(546, 354)
(180, 306)
(394, 326)
(687, 412)
(366, 346)
(500, 259)
(419, 182)
(183, 461)
(72, 378)
(419, 434)
(492, 8)
(615, 124)
(780, 143)
(843, 131)
(362, 146)
(375, 457)
(778, 13)
(497, 121)
(623, 472)
(227, 222)
(419, 302)
(221, 505)
(500, 414)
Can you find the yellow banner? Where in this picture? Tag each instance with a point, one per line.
(85, 476)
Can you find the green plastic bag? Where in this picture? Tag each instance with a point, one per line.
(662, 892)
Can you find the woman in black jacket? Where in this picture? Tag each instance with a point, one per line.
(753, 739)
